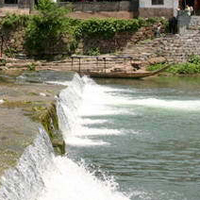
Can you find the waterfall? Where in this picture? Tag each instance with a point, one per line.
(70, 180)
(81, 98)
(25, 181)
(40, 175)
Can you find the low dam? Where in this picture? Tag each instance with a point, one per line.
(125, 140)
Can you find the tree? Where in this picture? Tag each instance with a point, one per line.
(46, 29)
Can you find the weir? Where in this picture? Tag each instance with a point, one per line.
(41, 175)
(144, 133)
(25, 180)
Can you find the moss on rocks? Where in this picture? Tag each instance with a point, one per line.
(48, 117)
(44, 113)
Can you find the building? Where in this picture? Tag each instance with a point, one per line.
(126, 9)
(158, 8)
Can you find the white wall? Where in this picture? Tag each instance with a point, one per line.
(167, 4)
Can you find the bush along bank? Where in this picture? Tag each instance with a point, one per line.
(192, 66)
(50, 32)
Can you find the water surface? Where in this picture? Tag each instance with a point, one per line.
(144, 133)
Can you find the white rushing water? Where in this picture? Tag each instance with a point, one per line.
(25, 181)
(40, 175)
(70, 180)
(83, 98)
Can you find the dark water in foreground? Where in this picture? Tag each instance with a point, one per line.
(144, 133)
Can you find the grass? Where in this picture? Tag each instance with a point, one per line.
(192, 66)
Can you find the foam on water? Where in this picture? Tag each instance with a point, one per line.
(78, 141)
(66, 83)
(40, 175)
(94, 121)
(67, 179)
(168, 104)
(83, 98)
(25, 180)
(74, 182)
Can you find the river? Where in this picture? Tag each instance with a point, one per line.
(127, 140)
(130, 139)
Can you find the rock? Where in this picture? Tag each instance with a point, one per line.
(156, 60)
(1, 101)
(43, 94)
(136, 64)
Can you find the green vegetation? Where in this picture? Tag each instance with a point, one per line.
(107, 28)
(13, 21)
(48, 118)
(31, 67)
(49, 30)
(2, 62)
(192, 66)
(93, 51)
(46, 29)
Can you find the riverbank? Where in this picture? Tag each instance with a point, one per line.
(24, 107)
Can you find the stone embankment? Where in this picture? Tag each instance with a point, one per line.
(175, 48)
(170, 48)
(24, 108)
(75, 63)
(141, 46)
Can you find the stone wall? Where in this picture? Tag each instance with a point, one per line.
(186, 22)
(108, 6)
(174, 48)
(118, 9)
(104, 14)
(156, 12)
(13, 42)
(118, 42)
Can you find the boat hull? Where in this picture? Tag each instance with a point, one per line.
(118, 75)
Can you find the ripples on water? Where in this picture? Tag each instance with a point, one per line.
(145, 135)
(126, 140)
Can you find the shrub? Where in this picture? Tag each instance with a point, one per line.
(195, 59)
(105, 28)
(31, 67)
(46, 28)
(93, 51)
(181, 68)
(12, 21)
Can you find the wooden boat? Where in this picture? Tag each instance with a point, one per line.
(125, 75)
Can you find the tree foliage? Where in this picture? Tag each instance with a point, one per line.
(47, 27)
